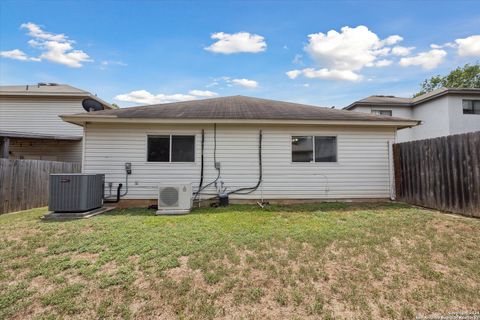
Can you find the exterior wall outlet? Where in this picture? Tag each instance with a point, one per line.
(217, 165)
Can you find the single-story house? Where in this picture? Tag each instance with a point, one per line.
(443, 112)
(30, 127)
(252, 148)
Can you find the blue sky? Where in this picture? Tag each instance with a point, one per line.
(137, 52)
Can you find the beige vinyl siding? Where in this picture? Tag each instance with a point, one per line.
(362, 170)
(43, 149)
(39, 115)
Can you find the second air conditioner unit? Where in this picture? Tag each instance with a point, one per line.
(174, 198)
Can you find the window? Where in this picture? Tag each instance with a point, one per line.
(382, 112)
(325, 149)
(302, 149)
(471, 106)
(314, 149)
(170, 148)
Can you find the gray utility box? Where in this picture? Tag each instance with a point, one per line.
(75, 192)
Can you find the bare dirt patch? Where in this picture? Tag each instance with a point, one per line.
(91, 257)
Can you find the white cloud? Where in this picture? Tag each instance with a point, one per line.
(469, 46)
(55, 47)
(402, 51)
(324, 73)
(427, 60)
(383, 63)
(145, 97)
(36, 32)
(297, 59)
(105, 63)
(246, 83)
(391, 40)
(237, 42)
(332, 74)
(202, 93)
(292, 74)
(16, 55)
(343, 54)
(212, 84)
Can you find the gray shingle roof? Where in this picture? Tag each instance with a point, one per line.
(49, 90)
(386, 100)
(408, 102)
(42, 89)
(239, 107)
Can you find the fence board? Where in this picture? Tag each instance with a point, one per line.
(24, 183)
(441, 173)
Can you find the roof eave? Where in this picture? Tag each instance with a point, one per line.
(81, 120)
(54, 94)
(389, 104)
(446, 91)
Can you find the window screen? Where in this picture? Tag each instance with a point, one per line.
(183, 148)
(314, 148)
(325, 149)
(158, 149)
(302, 149)
(471, 106)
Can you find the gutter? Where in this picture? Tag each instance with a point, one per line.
(82, 119)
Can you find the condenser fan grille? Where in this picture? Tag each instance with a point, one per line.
(169, 197)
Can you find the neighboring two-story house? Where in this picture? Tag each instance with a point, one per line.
(443, 112)
(30, 127)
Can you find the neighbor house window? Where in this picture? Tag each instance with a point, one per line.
(170, 148)
(314, 149)
(382, 112)
(471, 106)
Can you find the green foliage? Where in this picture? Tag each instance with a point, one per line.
(467, 76)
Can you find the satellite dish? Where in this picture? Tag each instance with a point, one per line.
(91, 105)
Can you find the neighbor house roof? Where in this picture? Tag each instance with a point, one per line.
(49, 90)
(30, 135)
(408, 102)
(233, 109)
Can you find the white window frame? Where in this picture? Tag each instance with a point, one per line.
(473, 106)
(374, 111)
(170, 135)
(313, 145)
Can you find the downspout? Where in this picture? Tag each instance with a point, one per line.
(390, 171)
(84, 147)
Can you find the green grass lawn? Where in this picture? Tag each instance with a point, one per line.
(331, 260)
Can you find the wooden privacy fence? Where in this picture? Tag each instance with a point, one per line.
(441, 173)
(24, 183)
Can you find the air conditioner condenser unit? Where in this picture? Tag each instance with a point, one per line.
(174, 198)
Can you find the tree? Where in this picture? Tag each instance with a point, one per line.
(115, 106)
(467, 76)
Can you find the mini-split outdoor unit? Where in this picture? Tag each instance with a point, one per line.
(174, 198)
